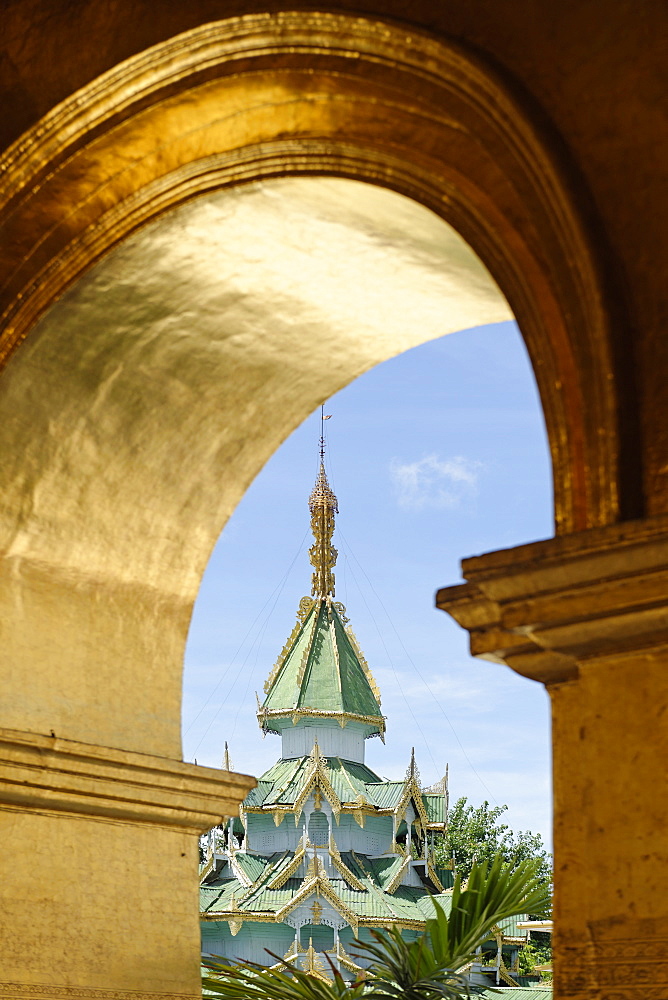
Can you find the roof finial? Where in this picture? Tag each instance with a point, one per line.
(322, 432)
(323, 506)
(412, 773)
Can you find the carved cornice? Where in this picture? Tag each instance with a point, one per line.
(278, 917)
(398, 876)
(548, 608)
(431, 872)
(49, 775)
(319, 883)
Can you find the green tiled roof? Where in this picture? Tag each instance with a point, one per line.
(252, 865)
(322, 671)
(406, 903)
(282, 784)
(435, 806)
(387, 794)
(510, 928)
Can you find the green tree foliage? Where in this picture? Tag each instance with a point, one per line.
(475, 834)
(424, 969)
(537, 952)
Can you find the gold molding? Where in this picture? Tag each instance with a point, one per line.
(49, 775)
(343, 717)
(548, 608)
(431, 871)
(279, 880)
(271, 917)
(343, 869)
(289, 643)
(398, 876)
(20, 991)
(316, 776)
(363, 662)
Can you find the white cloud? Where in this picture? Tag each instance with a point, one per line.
(435, 482)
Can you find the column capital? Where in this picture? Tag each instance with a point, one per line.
(49, 775)
(547, 608)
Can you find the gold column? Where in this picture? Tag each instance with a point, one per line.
(98, 900)
(586, 615)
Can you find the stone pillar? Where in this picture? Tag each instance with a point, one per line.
(586, 615)
(98, 886)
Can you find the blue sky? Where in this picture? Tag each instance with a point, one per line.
(435, 455)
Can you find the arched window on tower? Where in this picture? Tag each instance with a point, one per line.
(318, 829)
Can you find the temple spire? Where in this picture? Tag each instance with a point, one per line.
(323, 506)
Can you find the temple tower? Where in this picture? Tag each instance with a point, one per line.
(324, 849)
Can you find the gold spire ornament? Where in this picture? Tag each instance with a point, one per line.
(323, 506)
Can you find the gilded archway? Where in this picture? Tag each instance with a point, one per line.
(242, 100)
(303, 92)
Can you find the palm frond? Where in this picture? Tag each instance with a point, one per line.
(493, 893)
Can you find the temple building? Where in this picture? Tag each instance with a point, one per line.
(324, 849)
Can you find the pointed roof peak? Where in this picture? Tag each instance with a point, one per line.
(323, 505)
(322, 673)
(321, 670)
(412, 772)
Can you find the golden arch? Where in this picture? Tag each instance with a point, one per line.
(249, 98)
(265, 95)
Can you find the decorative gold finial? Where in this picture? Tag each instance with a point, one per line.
(412, 772)
(323, 506)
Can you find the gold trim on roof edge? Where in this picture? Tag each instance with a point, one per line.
(306, 656)
(270, 917)
(279, 880)
(282, 656)
(363, 662)
(316, 775)
(298, 713)
(343, 869)
(431, 871)
(398, 876)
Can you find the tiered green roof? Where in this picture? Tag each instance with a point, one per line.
(351, 786)
(350, 850)
(369, 903)
(322, 673)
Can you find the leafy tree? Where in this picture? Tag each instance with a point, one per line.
(424, 969)
(537, 952)
(475, 834)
